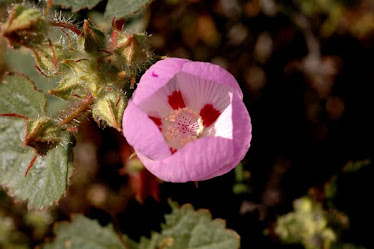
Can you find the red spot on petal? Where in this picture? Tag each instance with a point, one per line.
(157, 121)
(176, 100)
(173, 150)
(154, 74)
(209, 114)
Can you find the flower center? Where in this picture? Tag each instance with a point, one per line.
(182, 126)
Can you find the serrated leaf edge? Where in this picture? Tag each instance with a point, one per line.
(11, 73)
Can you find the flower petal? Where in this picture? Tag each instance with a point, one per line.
(188, 90)
(143, 134)
(212, 72)
(242, 135)
(198, 92)
(163, 101)
(194, 162)
(156, 77)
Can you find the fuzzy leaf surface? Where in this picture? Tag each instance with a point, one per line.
(123, 8)
(190, 229)
(83, 233)
(76, 5)
(19, 95)
(48, 179)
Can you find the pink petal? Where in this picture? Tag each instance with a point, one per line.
(167, 98)
(156, 77)
(212, 72)
(242, 135)
(143, 134)
(194, 162)
(198, 92)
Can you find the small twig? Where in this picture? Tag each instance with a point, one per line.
(48, 7)
(85, 105)
(196, 184)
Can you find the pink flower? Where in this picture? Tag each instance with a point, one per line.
(187, 121)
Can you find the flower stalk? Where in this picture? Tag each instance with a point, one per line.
(77, 112)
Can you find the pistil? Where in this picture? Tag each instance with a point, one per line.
(181, 127)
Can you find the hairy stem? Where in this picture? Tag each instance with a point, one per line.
(67, 25)
(81, 109)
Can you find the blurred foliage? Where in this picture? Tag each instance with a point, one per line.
(241, 177)
(85, 234)
(184, 228)
(187, 228)
(20, 229)
(307, 225)
(314, 226)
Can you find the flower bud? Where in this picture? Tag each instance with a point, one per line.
(25, 27)
(109, 108)
(133, 49)
(42, 134)
(94, 39)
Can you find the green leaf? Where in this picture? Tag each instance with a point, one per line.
(48, 179)
(190, 229)
(19, 95)
(83, 233)
(76, 5)
(123, 8)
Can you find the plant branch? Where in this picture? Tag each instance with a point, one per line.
(85, 105)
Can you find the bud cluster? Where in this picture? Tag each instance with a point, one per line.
(90, 64)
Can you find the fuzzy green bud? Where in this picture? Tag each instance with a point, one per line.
(25, 27)
(134, 49)
(94, 39)
(42, 135)
(109, 108)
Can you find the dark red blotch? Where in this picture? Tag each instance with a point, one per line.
(209, 114)
(176, 101)
(173, 150)
(157, 121)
